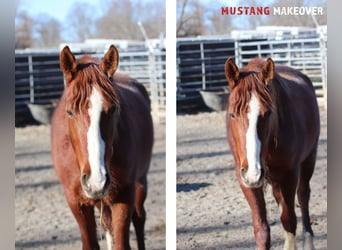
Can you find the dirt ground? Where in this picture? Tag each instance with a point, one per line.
(211, 210)
(43, 219)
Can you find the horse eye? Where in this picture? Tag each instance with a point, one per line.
(70, 113)
(232, 115)
(267, 113)
(112, 109)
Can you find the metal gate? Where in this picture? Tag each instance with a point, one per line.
(200, 61)
(38, 78)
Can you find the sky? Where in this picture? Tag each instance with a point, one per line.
(57, 9)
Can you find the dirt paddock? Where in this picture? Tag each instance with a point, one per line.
(43, 219)
(211, 210)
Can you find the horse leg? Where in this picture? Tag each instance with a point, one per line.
(121, 218)
(289, 236)
(276, 192)
(303, 194)
(139, 215)
(288, 216)
(122, 211)
(85, 218)
(256, 202)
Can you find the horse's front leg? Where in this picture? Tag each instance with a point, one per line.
(256, 202)
(121, 219)
(84, 215)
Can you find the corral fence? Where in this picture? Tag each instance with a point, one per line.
(200, 61)
(38, 78)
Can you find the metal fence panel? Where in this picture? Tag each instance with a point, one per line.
(302, 54)
(200, 61)
(199, 66)
(38, 78)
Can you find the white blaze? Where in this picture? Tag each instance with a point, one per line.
(253, 143)
(96, 145)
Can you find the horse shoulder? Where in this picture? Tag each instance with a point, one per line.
(135, 117)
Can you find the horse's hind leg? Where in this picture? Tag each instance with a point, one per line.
(139, 215)
(303, 194)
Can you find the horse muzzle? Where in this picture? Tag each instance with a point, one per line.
(252, 180)
(95, 191)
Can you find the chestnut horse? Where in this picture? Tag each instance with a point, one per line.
(101, 139)
(272, 130)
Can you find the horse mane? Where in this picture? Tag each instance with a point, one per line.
(89, 75)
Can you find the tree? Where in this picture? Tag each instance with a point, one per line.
(118, 22)
(218, 24)
(152, 16)
(48, 31)
(120, 19)
(40, 31)
(190, 18)
(80, 21)
(24, 26)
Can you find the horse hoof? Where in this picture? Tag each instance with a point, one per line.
(308, 241)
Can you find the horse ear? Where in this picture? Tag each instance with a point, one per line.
(267, 71)
(232, 72)
(110, 61)
(68, 63)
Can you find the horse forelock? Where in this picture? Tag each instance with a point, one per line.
(248, 84)
(89, 76)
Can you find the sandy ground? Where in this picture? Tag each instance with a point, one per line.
(43, 219)
(211, 210)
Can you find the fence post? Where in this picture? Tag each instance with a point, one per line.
(324, 67)
(237, 59)
(31, 80)
(204, 84)
(153, 83)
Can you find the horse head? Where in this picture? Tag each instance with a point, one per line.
(92, 105)
(250, 118)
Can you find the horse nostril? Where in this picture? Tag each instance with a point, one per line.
(84, 179)
(107, 181)
(243, 170)
(262, 174)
